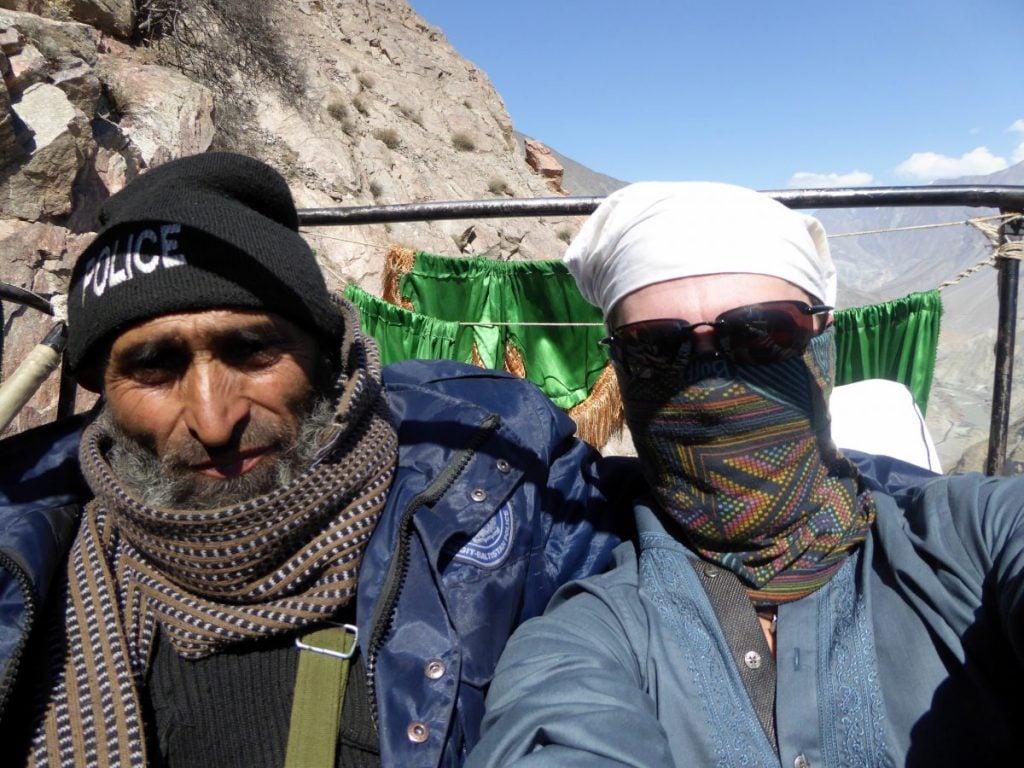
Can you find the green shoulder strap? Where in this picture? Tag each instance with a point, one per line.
(319, 694)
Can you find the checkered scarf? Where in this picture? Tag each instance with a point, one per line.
(207, 578)
(741, 458)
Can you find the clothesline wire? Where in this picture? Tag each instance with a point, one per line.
(499, 323)
(307, 231)
(1006, 250)
(973, 221)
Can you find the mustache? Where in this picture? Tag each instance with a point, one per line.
(170, 481)
(249, 437)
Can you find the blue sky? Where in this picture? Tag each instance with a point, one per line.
(764, 93)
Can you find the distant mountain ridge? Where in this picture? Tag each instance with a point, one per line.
(879, 267)
(890, 264)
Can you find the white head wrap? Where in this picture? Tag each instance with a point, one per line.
(651, 232)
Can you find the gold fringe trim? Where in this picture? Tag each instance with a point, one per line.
(476, 359)
(514, 362)
(601, 415)
(398, 261)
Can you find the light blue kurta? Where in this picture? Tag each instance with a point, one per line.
(913, 654)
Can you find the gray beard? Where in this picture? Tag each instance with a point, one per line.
(164, 485)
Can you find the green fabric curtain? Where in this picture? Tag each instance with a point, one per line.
(455, 298)
(563, 360)
(405, 335)
(896, 340)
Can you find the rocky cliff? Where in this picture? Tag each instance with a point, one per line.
(356, 103)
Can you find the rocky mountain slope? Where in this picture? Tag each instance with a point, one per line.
(355, 102)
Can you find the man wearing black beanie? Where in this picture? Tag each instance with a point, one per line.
(279, 554)
(229, 221)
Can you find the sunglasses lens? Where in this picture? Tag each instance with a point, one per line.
(755, 334)
(649, 346)
(758, 334)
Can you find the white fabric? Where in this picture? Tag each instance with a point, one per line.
(880, 416)
(652, 231)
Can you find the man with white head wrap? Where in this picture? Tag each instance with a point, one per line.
(773, 609)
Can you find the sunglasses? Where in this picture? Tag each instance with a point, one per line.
(754, 334)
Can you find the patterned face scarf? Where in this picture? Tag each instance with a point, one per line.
(741, 458)
(208, 578)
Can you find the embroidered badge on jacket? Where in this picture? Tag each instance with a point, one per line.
(492, 543)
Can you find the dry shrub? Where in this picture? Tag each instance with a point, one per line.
(498, 186)
(463, 142)
(217, 41)
(410, 114)
(389, 136)
(338, 110)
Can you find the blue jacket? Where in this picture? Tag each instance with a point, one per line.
(494, 505)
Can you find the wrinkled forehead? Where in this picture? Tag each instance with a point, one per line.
(205, 327)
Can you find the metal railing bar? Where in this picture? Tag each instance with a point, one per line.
(972, 196)
(451, 209)
(977, 196)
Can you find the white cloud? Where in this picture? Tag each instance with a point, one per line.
(804, 179)
(928, 166)
(1018, 152)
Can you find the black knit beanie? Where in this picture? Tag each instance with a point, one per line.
(210, 231)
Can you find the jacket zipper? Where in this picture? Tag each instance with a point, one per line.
(25, 583)
(384, 612)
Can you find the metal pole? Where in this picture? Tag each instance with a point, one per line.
(1006, 332)
(989, 196)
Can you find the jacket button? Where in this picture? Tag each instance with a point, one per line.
(710, 571)
(801, 762)
(478, 494)
(503, 466)
(417, 732)
(434, 669)
(752, 659)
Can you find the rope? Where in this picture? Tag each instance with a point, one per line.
(329, 269)
(308, 231)
(977, 222)
(1007, 250)
(1011, 249)
(987, 262)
